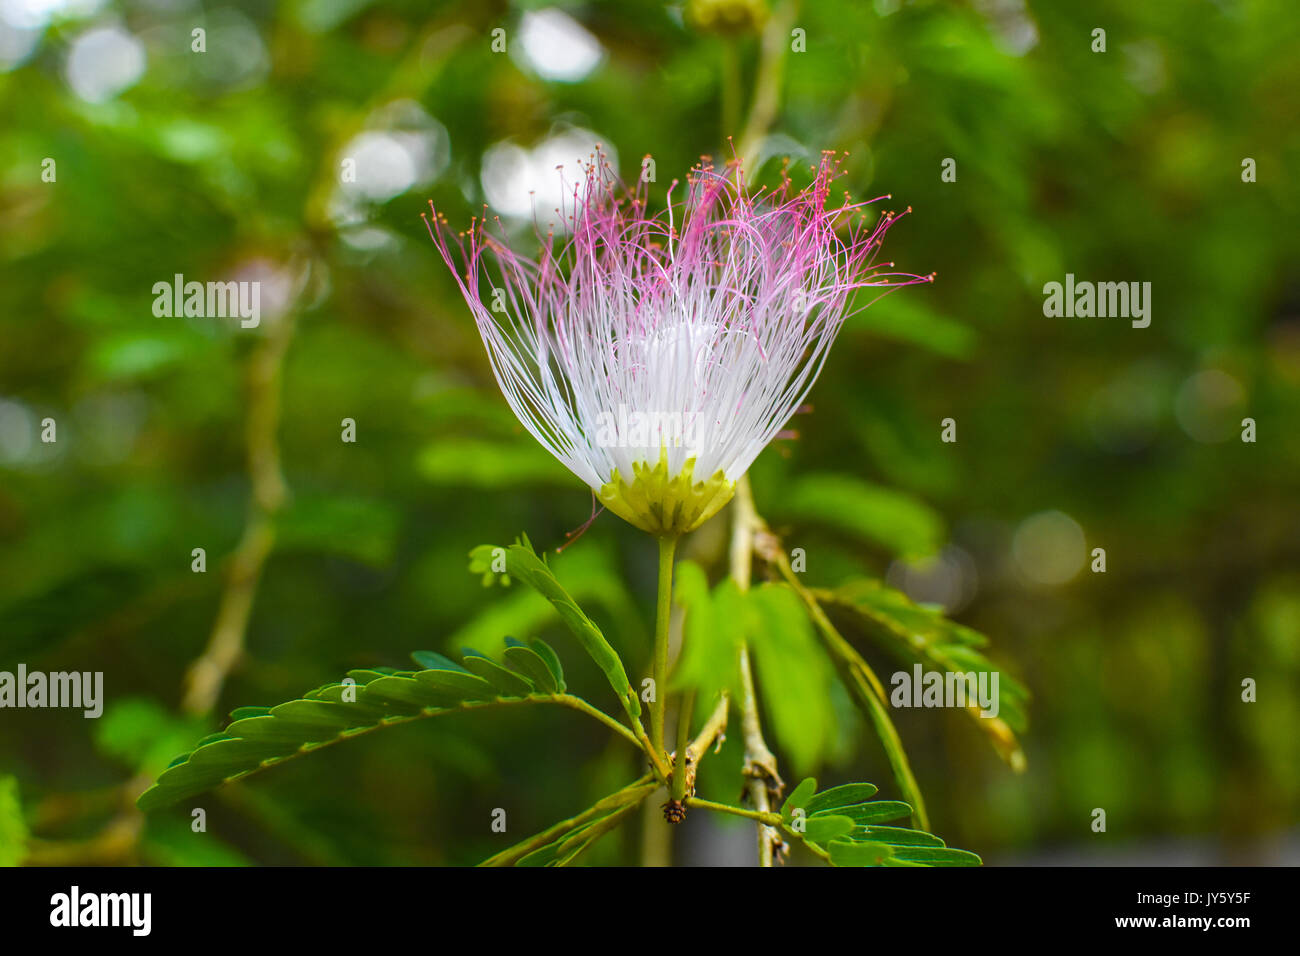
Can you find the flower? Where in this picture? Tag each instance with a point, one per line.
(656, 355)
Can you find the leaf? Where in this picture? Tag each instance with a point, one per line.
(503, 680)
(877, 811)
(259, 737)
(483, 561)
(916, 634)
(591, 580)
(936, 856)
(526, 661)
(552, 660)
(826, 827)
(842, 796)
(565, 850)
(561, 843)
(432, 660)
(895, 836)
(843, 823)
(846, 853)
(799, 796)
(523, 563)
(141, 733)
(457, 683)
(899, 522)
(866, 689)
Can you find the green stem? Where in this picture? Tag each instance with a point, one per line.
(866, 687)
(580, 705)
(681, 768)
(667, 548)
(625, 799)
(762, 781)
(764, 817)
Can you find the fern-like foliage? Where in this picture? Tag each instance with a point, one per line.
(563, 843)
(845, 827)
(260, 737)
(917, 634)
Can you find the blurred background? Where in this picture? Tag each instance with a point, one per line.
(175, 433)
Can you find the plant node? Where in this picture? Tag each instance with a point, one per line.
(674, 811)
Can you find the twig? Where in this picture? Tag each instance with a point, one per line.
(208, 673)
(767, 86)
(683, 774)
(765, 817)
(763, 784)
(625, 799)
(580, 705)
(853, 670)
(713, 730)
(697, 748)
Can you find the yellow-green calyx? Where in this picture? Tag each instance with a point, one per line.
(662, 504)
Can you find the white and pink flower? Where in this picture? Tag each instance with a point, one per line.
(656, 355)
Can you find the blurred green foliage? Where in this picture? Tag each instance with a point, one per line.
(1116, 166)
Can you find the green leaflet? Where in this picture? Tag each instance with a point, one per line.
(916, 634)
(565, 850)
(523, 563)
(526, 661)
(842, 825)
(560, 844)
(847, 853)
(895, 836)
(504, 681)
(842, 796)
(259, 737)
(866, 689)
(936, 856)
(798, 798)
(826, 827)
(876, 811)
(544, 651)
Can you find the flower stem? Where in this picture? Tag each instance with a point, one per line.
(681, 767)
(667, 548)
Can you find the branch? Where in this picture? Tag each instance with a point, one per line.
(225, 646)
(696, 749)
(763, 784)
(616, 804)
(767, 86)
(854, 671)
